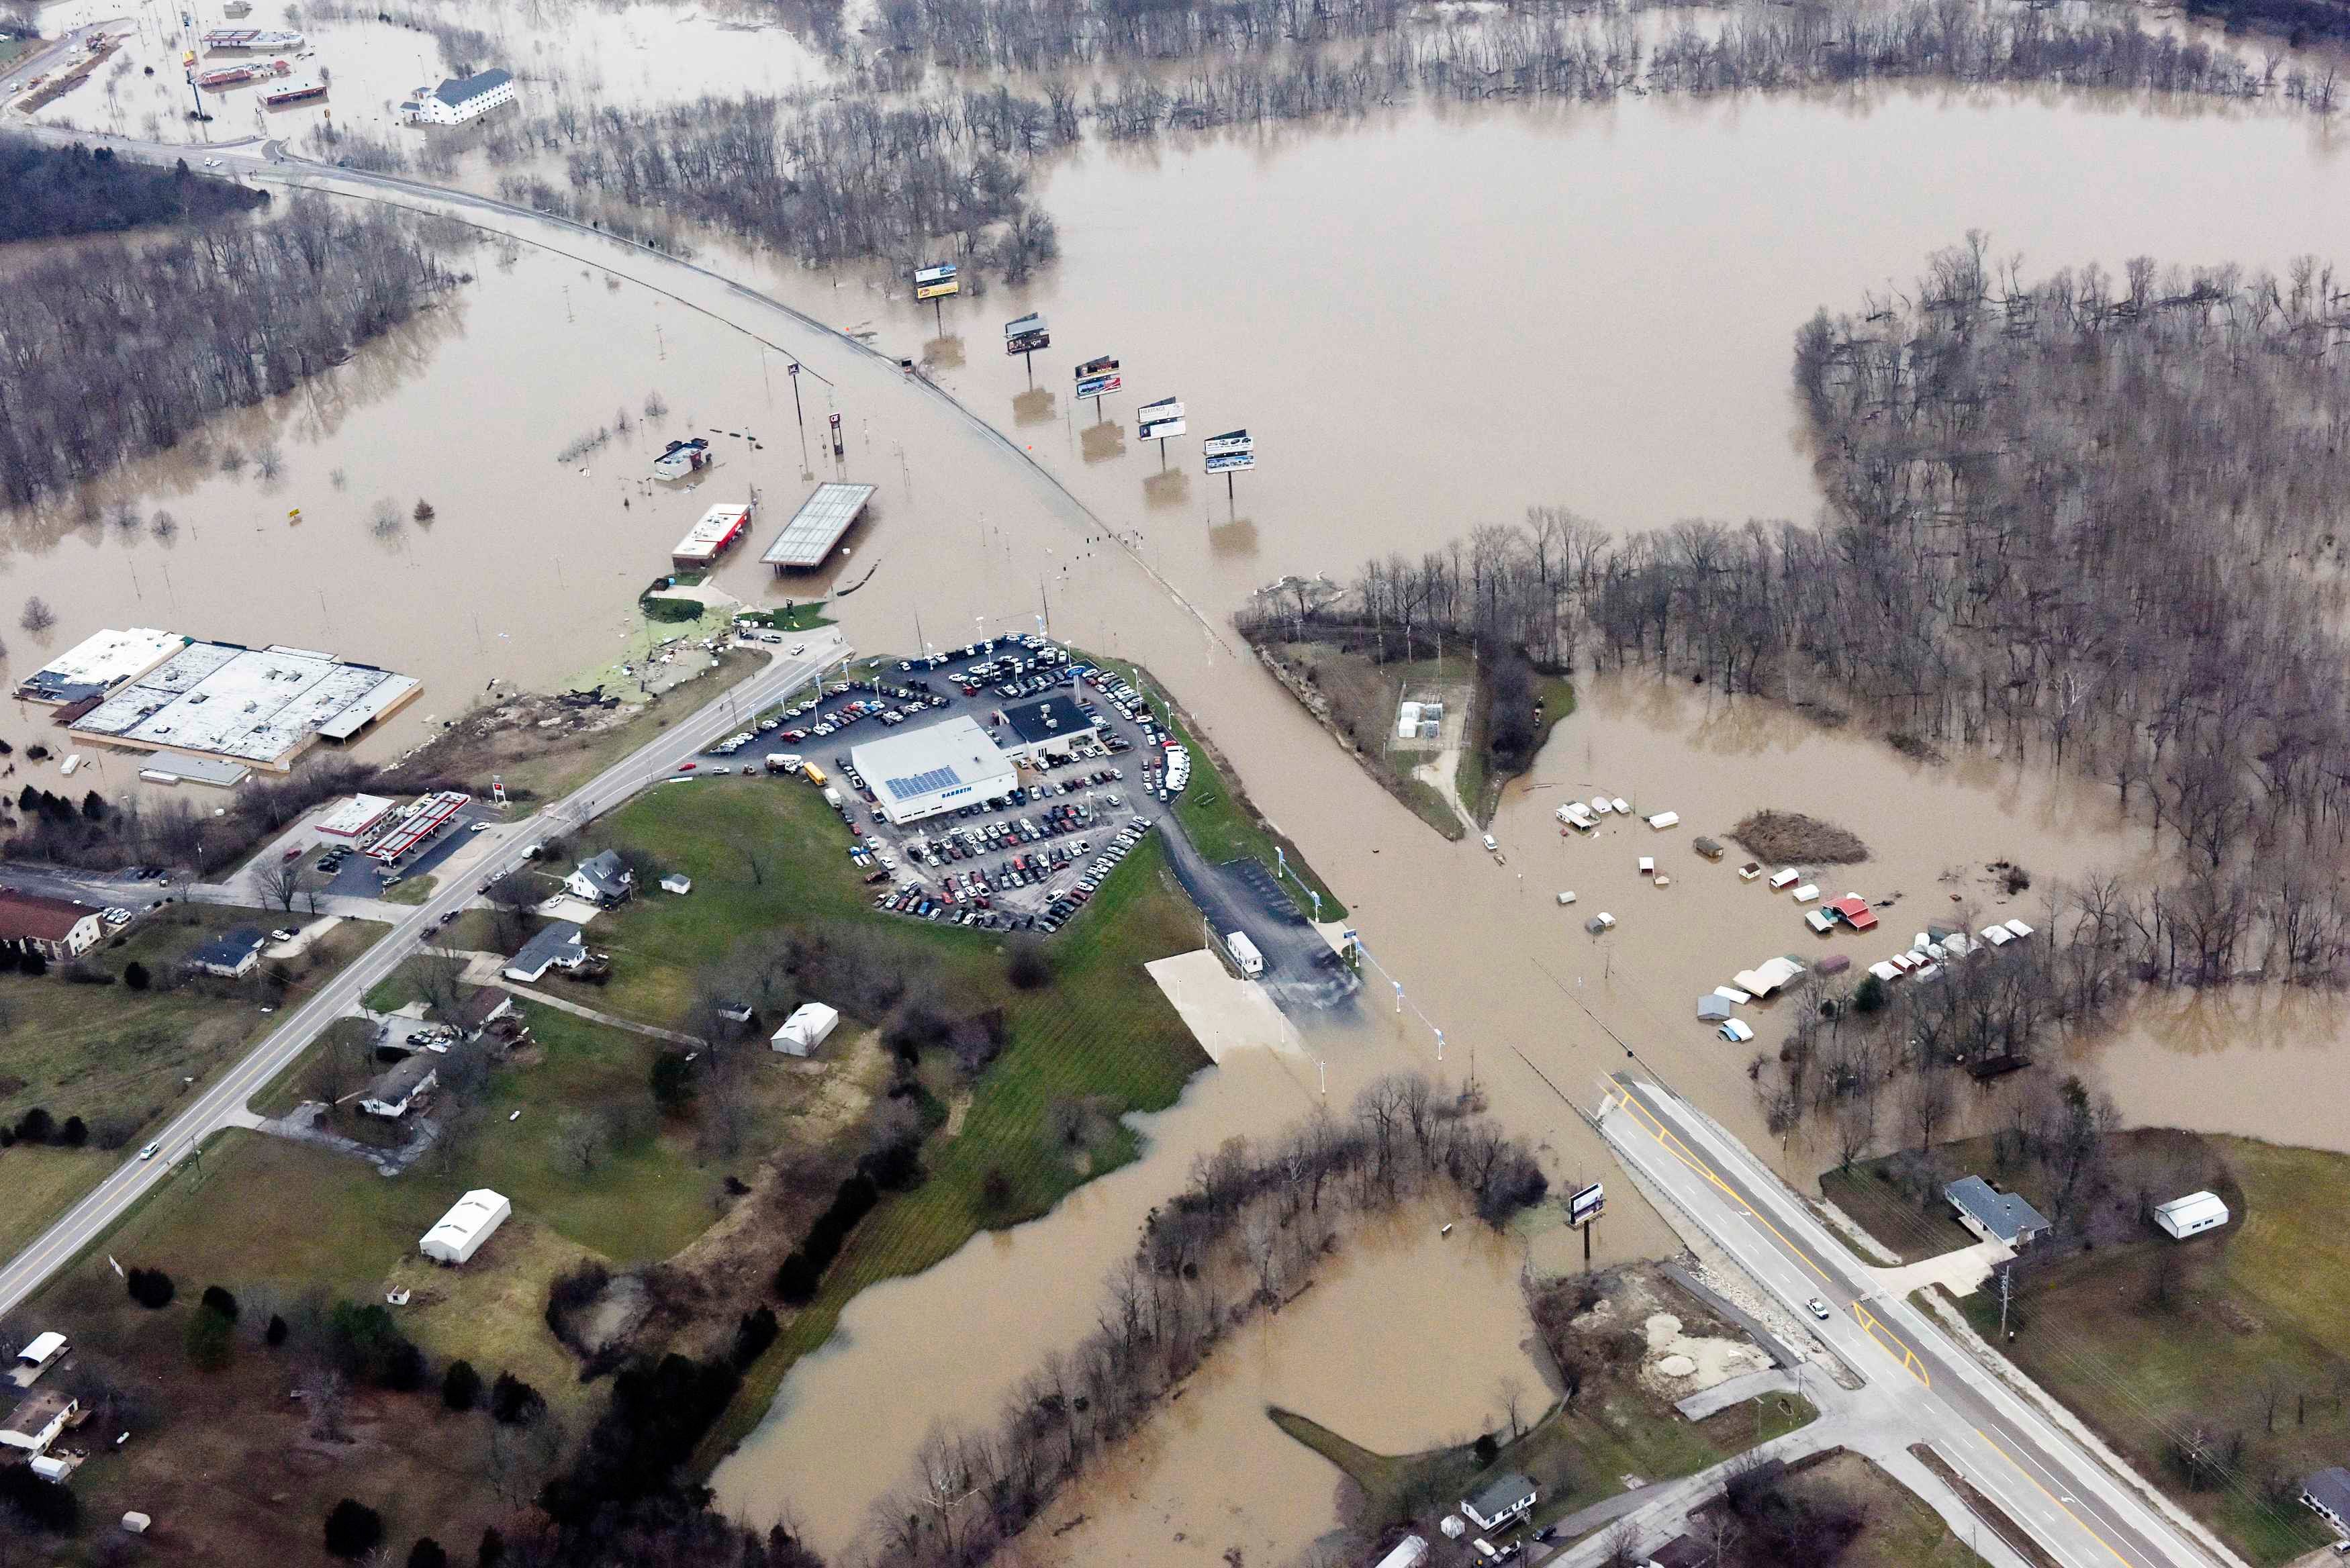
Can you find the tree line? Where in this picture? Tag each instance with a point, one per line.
(121, 350)
(1242, 1236)
(47, 192)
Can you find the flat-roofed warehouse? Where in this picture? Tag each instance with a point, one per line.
(940, 767)
(99, 663)
(817, 527)
(263, 706)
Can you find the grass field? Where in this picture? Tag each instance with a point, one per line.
(1901, 1532)
(414, 890)
(2238, 1335)
(123, 1059)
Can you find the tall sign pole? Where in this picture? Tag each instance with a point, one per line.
(1095, 379)
(935, 284)
(1228, 454)
(1024, 338)
(1158, 422)
(797, 412)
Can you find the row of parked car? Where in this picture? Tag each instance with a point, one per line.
(1057, 913)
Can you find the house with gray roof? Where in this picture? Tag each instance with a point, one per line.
(1993, 1215)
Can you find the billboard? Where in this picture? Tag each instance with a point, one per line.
(1584, 1204)
(936, 281)
(1096, 386)
(1026, 335)
(1230, 453)
(1159, 420)
(1101, 366)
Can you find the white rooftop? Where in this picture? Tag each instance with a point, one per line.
(916, 762)
(258, 705)
(99, 661)
(48, 1344)
(718, 524)
(818, 526)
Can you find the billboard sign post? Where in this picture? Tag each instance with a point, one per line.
(1585, 1205)
(1156, 421)
(1096, 379)
(1228, 454)
(1024, 338)
(838, 451)
(934, 284)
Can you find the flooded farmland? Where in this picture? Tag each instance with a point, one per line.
(1590, 308)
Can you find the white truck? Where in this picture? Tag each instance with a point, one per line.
(1244, 955)
(783, 762)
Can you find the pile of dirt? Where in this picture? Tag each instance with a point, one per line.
(1790, 837)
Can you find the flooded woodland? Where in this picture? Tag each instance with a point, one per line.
(1456, 314)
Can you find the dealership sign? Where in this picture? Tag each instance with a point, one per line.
(1159, 420)
(936, 281)
(1584, 1204)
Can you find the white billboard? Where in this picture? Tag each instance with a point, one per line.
(1584, 1204)
(1158, 420)
(1230, 444)
(1232, 462)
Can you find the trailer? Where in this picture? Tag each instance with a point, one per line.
(1244, 953)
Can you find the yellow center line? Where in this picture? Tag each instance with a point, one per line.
(2086, 1528)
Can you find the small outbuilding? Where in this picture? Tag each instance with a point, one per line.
(39, 1356)
(1712, 1008)
(136, 1523)
(1736, 1032)
(471, 1220)
(1708, 847)
(2192, 1215)
(810, 1026)
(677, 882)
(1852, 910)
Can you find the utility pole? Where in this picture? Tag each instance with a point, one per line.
(2006, 1286)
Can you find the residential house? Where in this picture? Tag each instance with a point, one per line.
(56, 929)
(1501, 1502)
(2327, 1494)
(1993, 1215)
(557, 947)
(231, 955)
(486, 1006)
(37, 1419)
(403, 1087)
(601, 879)
(458, 99)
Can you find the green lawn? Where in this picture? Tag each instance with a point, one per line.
(413, 890)
(2252, 1347)
(123, 1059)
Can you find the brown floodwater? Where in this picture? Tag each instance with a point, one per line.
(1430, 320)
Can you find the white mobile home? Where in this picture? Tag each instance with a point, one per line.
(471, 1220)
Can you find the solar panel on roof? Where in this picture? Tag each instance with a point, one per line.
(922, 782)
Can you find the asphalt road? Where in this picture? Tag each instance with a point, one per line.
(492, 853)
(2084, 1514)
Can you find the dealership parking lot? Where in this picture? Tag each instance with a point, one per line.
(1028, 859)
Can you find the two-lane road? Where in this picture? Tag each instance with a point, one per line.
(2074, 1505)
(500, 850)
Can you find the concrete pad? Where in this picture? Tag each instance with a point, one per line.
(303, 937)
(1961, 1273)
(1224, 1014)
(563, 906)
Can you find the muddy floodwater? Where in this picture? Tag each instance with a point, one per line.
(1428, 320)
(1356, 1351)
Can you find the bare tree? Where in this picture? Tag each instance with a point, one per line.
(37, 616)
(584, 1142)
(1928, 1104)
(281, 881)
